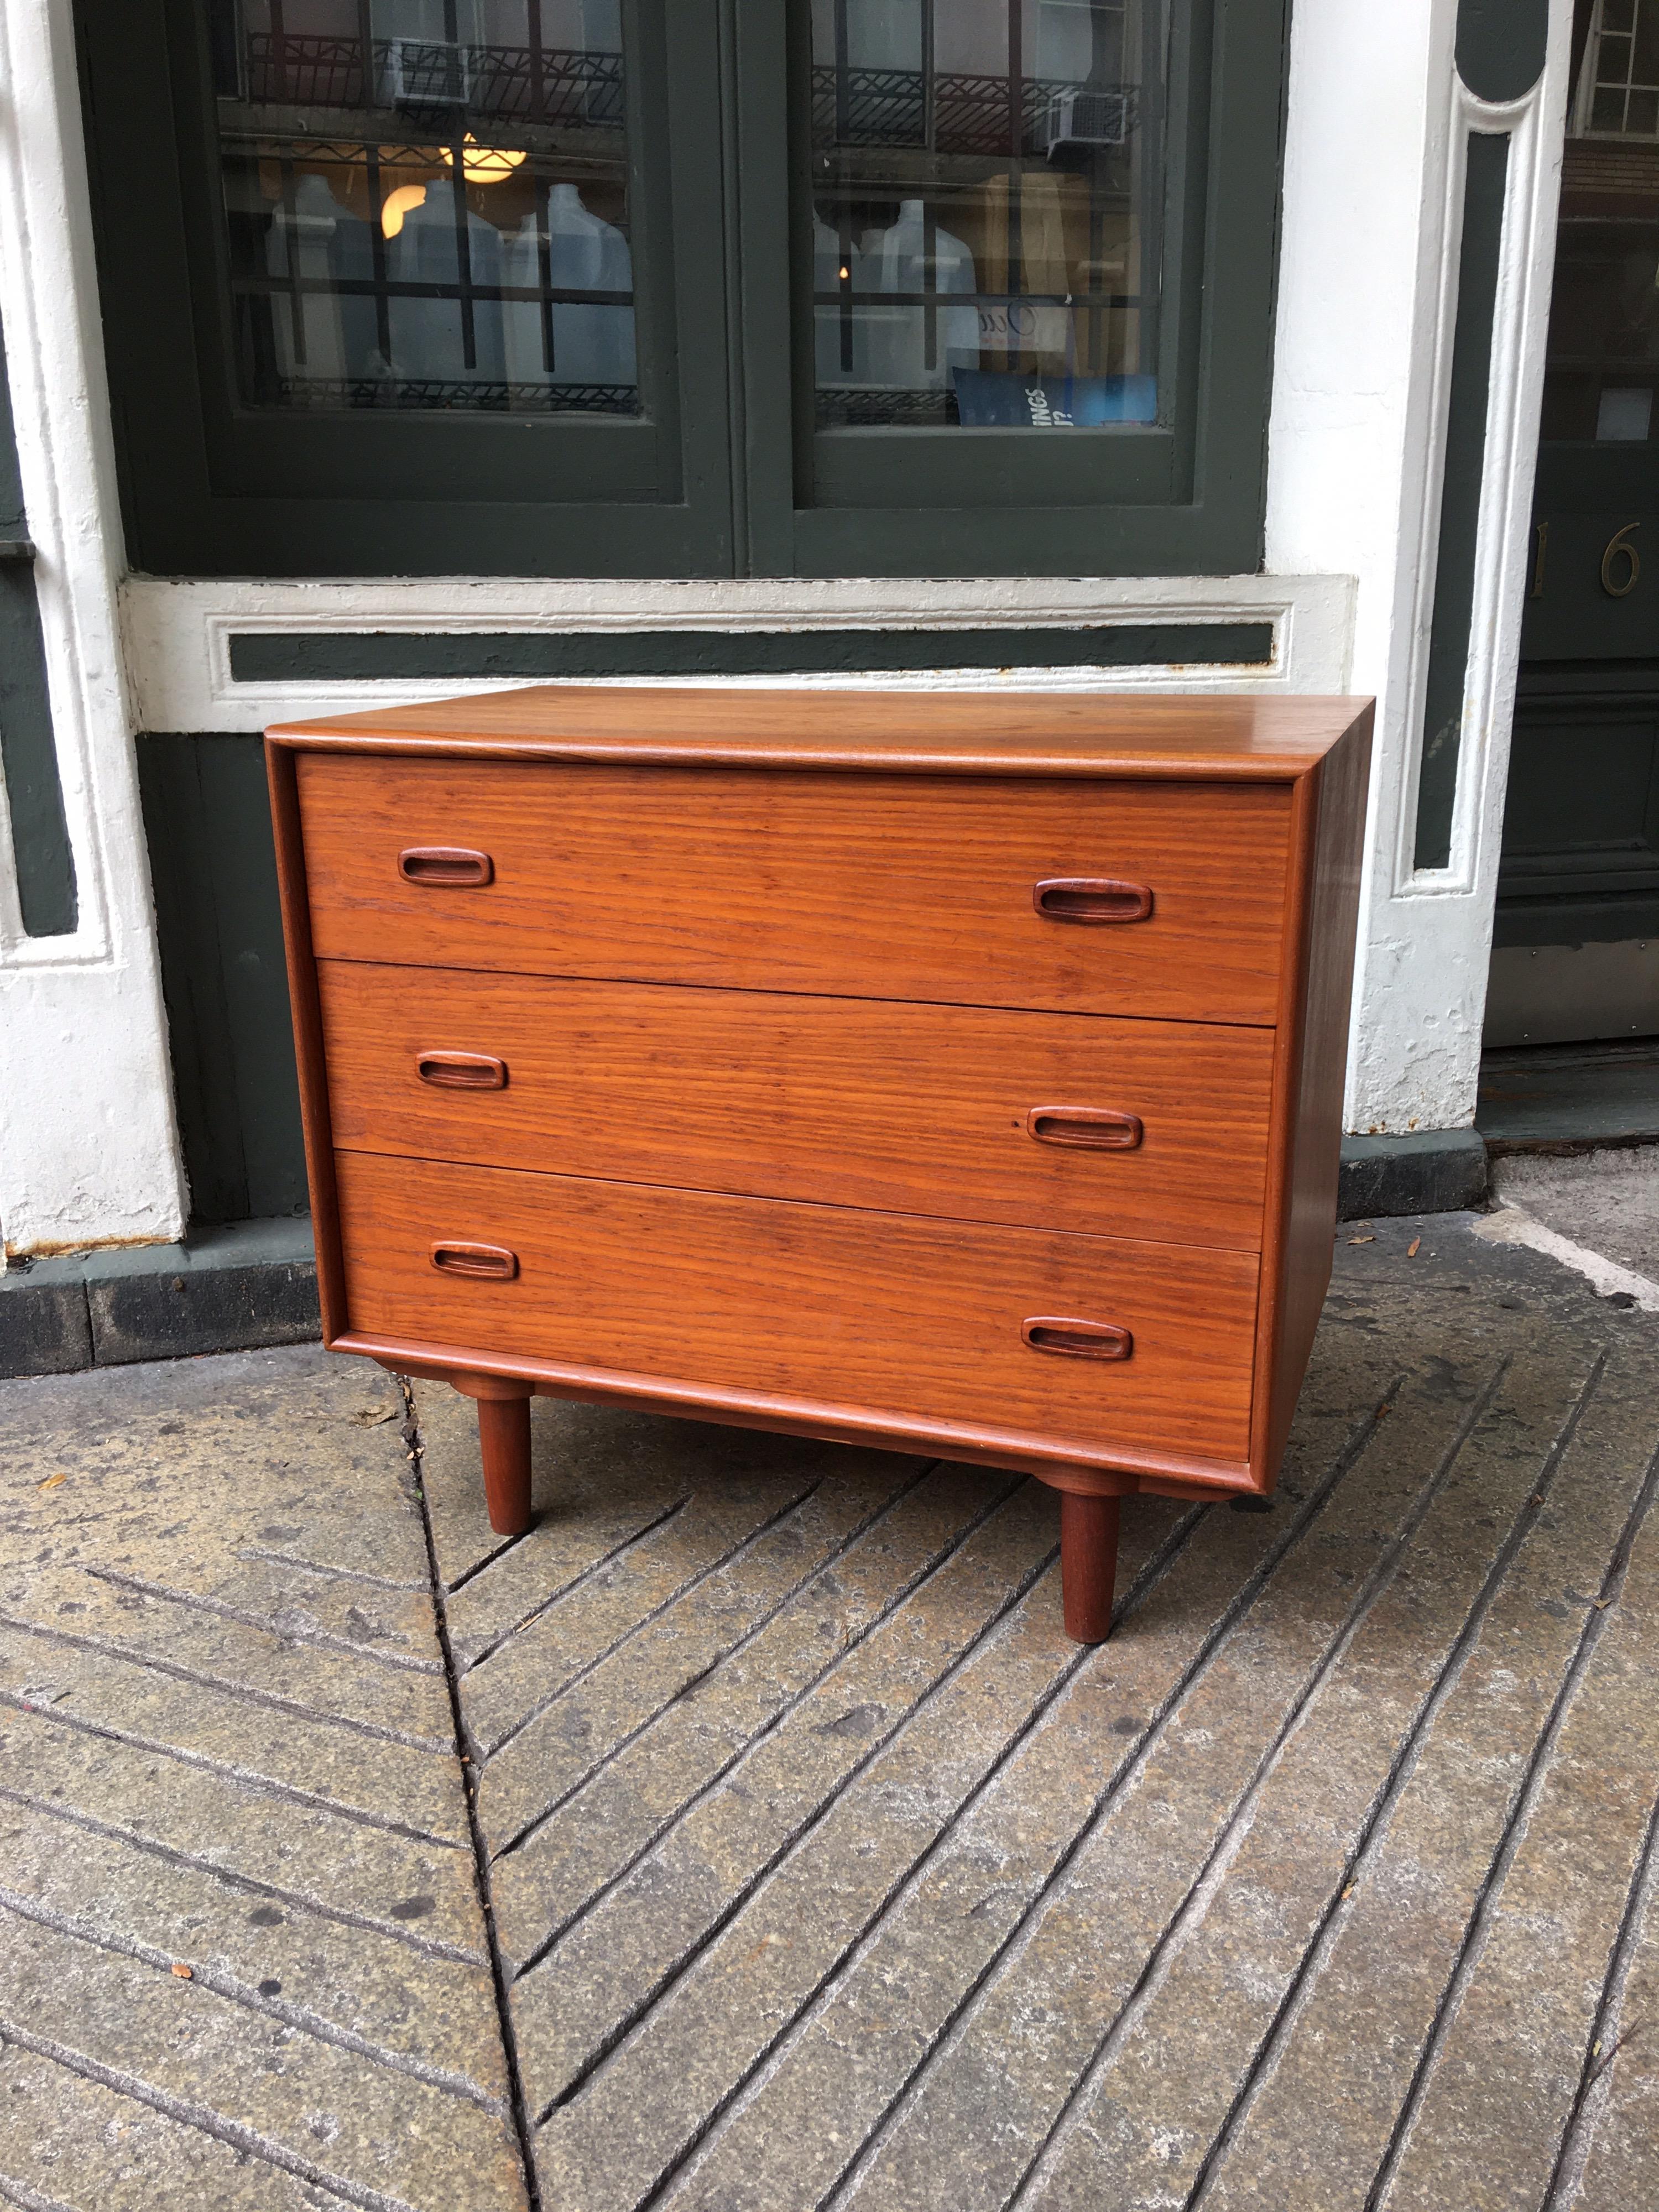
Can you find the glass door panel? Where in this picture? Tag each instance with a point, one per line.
(987, 186)
(426, 204)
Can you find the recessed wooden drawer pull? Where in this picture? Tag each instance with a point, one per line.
(1092, 899)
(1079, 1339)
(1096, 1127)
(490, 1262)
(461, 1071)
(445, 866)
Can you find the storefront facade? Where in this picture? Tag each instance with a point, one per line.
(360, 352)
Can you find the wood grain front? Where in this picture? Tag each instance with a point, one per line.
(1082, 1122)
(912, 887)
(912, 1317)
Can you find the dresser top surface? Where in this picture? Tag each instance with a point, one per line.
(1044, 733)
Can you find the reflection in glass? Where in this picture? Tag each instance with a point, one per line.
(427, 203)
(1602, 364)
(986, 176)
(1621, 93)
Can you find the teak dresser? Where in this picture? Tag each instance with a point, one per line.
(955, 1071)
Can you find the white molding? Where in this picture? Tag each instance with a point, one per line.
(88, 1148)
(1368, 299)
(1444, 192)
(1514, 395)
(66, 489)
(177, 633)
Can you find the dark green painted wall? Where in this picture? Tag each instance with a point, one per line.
(355, 657)
(1501, 45)
(208, 823)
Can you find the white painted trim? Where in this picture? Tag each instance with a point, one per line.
(1444, 192)
(1367, 311)
(1515, 398)
(89, 1149)
(66, 491)
(177, 633)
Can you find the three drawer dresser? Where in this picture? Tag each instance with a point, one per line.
(955, 1071)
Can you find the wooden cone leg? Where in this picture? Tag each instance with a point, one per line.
(1088, 1563)
(504, 1442)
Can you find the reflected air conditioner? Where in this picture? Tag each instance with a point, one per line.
(1078, 123)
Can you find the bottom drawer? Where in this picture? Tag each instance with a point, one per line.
(918, 1318)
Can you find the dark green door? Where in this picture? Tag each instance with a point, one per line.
(1576, 949)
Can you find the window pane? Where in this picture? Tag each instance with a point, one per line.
(1613, 62)
(427, 203)
(987, 181)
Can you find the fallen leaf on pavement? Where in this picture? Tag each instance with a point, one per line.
(51, 1482)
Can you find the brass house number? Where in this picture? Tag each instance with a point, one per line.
(1621, 564)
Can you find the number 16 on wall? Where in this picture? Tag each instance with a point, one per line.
(1621, 564)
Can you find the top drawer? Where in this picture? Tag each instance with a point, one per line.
(883, 886)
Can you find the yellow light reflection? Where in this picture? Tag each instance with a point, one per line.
(397, 206)
(485, 165)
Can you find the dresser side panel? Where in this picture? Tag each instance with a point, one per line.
(1326, 856)
(310, 1056)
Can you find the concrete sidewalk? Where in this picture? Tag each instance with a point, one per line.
(788, 1855)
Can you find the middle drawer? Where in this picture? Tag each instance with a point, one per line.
(1079, 1122)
